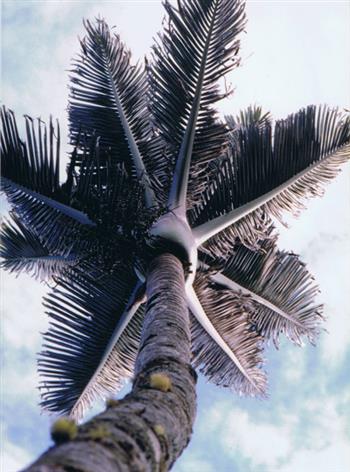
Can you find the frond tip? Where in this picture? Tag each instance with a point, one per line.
(34, 163)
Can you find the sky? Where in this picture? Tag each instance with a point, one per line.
(294, 53)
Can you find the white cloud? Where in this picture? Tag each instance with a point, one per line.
(335, 344)
(55, 12)
(136, 22)
(12, 457)
(286, 67)
(23, 312)
(294, 359)
(260, 443)
(17, 377)
(310, 434)
(335, 458)
(192, 463)
(320, 415)
(213, 419)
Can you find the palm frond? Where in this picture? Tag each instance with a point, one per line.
(108, 98)
(265, 175)
(108, 194)
(34, 164)
(57, 225)
(224, 347)
(18, 195)
(22, 251)
(253, 115)
(281, 290)
(106, 243)
(30, 171)
(249, 230)
(96, 193)
(92, 341)
(106, 222)
(197, 48)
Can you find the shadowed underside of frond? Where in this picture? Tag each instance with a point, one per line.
(116, 364)
(56, 225)
(228, 313)
(99, 200)
(281, 292)
(78, 363)
(22, 251)
(118, 236)
(30, 181)
(35, 163)
(265, 175)
(252, 229)
(109, 99)
(198, 46)
(251, 115)
(109, 195)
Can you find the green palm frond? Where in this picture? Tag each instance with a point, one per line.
(243, 303)
(31, 182)
(98, 196)
(108, 194)
(268, 172)
(57, 225)
(30, 168)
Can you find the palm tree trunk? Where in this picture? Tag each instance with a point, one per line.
(149, 428)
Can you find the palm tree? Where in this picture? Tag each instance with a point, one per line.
(157, 182)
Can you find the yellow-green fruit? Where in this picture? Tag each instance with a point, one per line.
(160, 382)
(159, 429)
(111, 402)
(99, 432)
(63, 430)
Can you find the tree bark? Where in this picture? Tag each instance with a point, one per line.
(149, 428)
